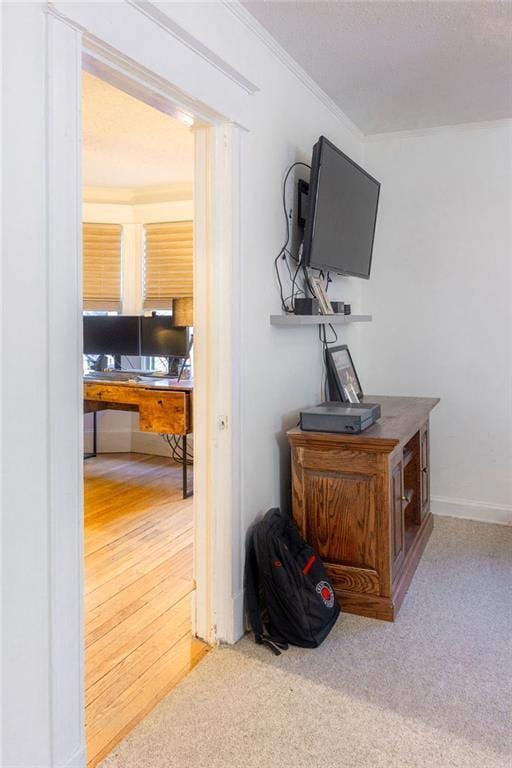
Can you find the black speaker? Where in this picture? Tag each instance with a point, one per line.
(306, 307)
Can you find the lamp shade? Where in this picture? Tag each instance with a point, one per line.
(183, 311)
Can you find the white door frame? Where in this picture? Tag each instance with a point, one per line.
(216, 396)
(42, 676)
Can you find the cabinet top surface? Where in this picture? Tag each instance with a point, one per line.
(400, 418)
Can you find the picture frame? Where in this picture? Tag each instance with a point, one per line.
(321, 295)
(343, 375)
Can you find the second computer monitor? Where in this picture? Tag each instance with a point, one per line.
(160, 338)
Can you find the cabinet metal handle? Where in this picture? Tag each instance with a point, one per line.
(407, 498)
(424, 469)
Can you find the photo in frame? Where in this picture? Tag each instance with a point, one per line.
(321, 295)
(344, 375)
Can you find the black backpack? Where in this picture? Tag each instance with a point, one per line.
(289, 597)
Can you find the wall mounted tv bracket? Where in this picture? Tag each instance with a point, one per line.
(303, 203)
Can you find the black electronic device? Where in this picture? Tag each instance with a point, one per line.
(111, 335)
(306, 306)
(338, 307)
(341, 213)
(348, 418)
(160, 338)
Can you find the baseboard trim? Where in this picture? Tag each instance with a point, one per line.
(150, 443)
(77, 760)
(109, 441)
(467, 509)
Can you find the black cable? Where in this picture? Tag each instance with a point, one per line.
(284, 306)
(307, 281)
(284, 252)
(173, 442)
(325, 345)
(293, 285)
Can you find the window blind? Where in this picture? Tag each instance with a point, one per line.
(102, 266)
(168, 263)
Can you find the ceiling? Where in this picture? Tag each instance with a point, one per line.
(401, 65)
(128, 144)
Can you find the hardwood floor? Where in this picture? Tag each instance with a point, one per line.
(138, 592)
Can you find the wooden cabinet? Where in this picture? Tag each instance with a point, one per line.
(362, 501)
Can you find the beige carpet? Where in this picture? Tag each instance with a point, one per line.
(433, 689)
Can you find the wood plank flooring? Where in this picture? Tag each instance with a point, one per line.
(138, 592)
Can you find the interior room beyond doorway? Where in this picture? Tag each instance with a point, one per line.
(138, 390)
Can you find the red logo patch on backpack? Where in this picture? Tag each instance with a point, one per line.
(326, 592)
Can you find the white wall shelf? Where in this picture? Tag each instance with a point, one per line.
(290, 319)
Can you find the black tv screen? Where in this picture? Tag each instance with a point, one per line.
(342, 202)
(161, 339)
(111, 335)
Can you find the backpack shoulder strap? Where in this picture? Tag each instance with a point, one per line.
(252, 586)
(252, 598)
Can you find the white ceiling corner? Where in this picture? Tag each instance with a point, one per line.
(393, 65)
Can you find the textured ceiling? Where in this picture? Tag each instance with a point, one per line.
(401, 65)
(126, 143)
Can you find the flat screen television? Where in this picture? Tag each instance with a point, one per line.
(111, 335)
(161, 339)
(342, 213)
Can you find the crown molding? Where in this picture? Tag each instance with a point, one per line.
(179, 33)
(416, 133)
(249, 21)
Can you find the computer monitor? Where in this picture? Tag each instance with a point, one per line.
(111, 335)
(161, 339)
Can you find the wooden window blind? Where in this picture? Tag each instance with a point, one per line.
(168, 263)
(102, 266)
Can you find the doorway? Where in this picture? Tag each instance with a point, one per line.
(80, 35)
(137, 253)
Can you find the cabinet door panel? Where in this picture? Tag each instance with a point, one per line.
(341, 520)
(397, 517)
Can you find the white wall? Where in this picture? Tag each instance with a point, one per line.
(281, 368)
(441, 298)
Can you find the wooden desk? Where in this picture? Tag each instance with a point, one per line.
(164, 406)
(363, 502)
